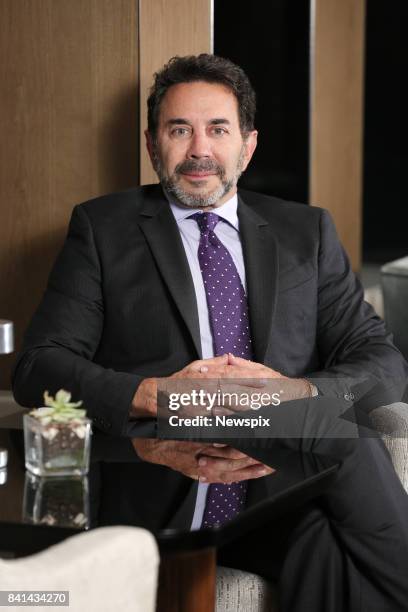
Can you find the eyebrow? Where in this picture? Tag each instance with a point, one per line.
(219, 121)
(182, 121)
(178, 121)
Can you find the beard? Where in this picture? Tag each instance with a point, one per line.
(198, 200)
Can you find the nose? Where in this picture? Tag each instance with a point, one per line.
(199, 146)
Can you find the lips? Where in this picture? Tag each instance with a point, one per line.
(198, 175)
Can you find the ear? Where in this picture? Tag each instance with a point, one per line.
(250, 143)
(150, 146)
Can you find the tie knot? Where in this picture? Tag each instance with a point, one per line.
(206, 221)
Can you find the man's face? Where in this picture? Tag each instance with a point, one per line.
(199, 152)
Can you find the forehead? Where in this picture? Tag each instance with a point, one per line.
(199, 100)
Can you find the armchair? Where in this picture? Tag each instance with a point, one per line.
(109, 568)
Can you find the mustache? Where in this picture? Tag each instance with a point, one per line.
(205, 165)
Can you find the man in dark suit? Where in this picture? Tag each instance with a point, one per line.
(129, 302)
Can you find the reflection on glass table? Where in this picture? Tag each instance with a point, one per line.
(60, 506)
(62, 502)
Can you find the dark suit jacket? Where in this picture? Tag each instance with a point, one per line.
(120, 306)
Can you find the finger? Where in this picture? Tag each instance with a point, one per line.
(212, 369)
(211, 465)
(227, 477)
(182, 446)
(244, 380)
(221, 411)
(233, 408)
(253, 365)
(203, 369)
(195, 366)
(211, 361)
(241, 361)
(243, 376)
(253, 376)
(237, 361)
(223, 370)
(228, 452)
(249, 473)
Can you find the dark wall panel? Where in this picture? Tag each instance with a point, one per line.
(386, 132)
(270, 40)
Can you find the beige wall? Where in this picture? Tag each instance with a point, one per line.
(69, 131)
(179, 27)
(337, 116)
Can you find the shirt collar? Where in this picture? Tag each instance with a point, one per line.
(228, 211)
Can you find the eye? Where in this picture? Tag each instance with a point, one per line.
(218, 130)
(180, 132)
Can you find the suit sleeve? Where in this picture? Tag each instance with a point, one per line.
(64, 335)
(354, 347)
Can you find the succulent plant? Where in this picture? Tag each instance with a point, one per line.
(59, 409)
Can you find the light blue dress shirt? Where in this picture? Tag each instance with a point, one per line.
(228, 233)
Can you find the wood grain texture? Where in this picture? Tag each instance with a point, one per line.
(337, 116)
(179, 27)
(187, 581)
(69, 131)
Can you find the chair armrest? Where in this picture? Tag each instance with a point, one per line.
(392, 423)
(105, 569)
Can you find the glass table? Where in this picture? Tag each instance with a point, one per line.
(36, 513)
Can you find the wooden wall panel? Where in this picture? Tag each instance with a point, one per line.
(69, 131)
(168, 28)
(337, 63)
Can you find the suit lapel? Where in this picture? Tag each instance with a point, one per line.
(261, 264)
(183, 516)
(161, 232)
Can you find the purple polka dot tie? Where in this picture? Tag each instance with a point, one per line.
(228, 313)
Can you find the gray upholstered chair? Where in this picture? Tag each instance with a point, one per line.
(109, 568)
(394, 281)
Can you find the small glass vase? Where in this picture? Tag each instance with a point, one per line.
(57, 449)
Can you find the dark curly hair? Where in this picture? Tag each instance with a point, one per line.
(208, 68)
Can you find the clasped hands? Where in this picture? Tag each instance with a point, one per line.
(210, 462)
